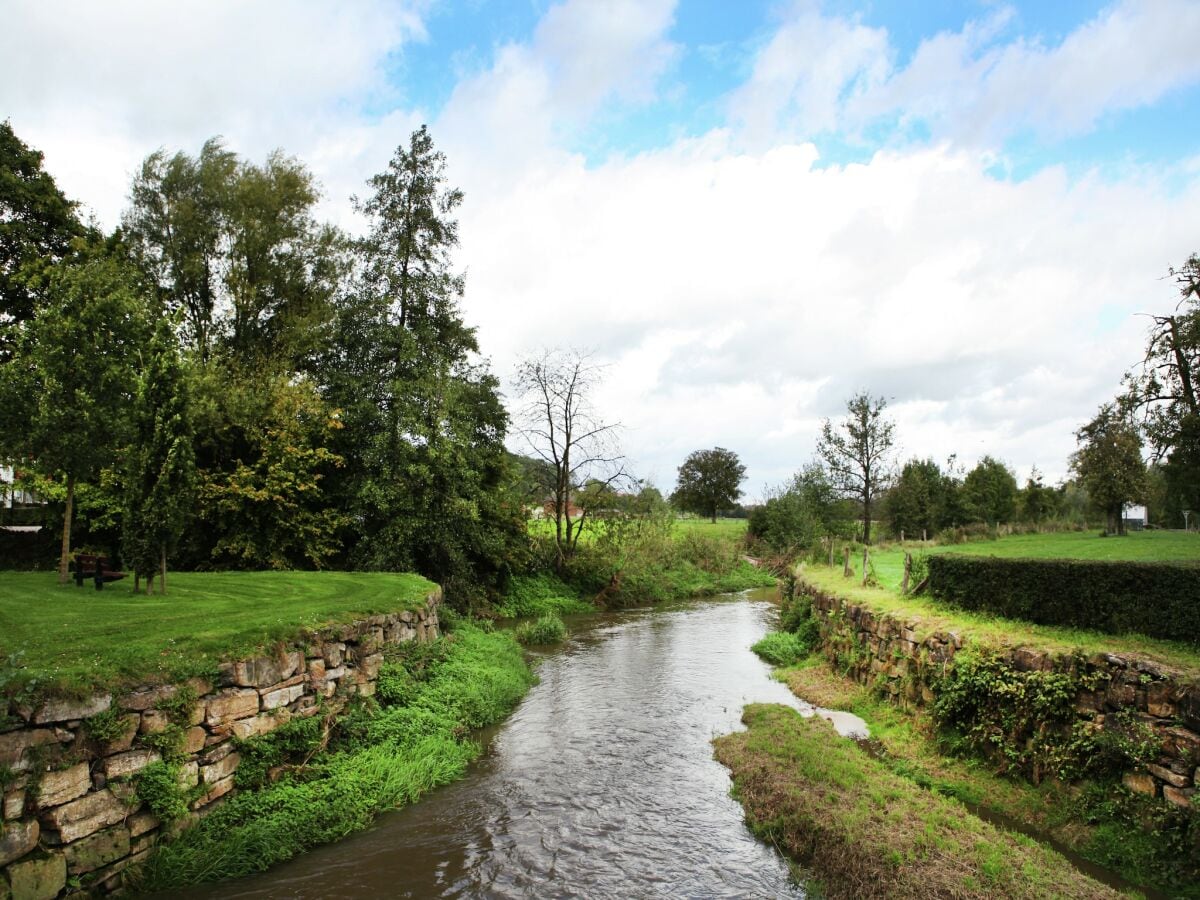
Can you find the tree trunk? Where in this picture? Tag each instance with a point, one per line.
(714, 515)
(64, 559)
(867, 521)
(162, 570)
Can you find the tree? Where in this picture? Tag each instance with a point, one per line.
(72, 378)
(160, 464)
(1109, 464)
(423, 438)
(37, 224)
(565, 431)
(990, 491)
(709, 481)
(1038, 502)
(916, 503)
(1165, 393)
(857, 452)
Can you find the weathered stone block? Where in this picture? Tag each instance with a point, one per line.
(193, 739)
(17, 839)
(14, 804)
(38, 879)
(129, 730)
(129, 763)
(147, 698)
(63, 710)
(316, 673)
(15, 744)
(1141, 783)
(97, 850)
(141, 823)
(217, 753)
(367, 689)
(57, 788)
(221, 769)
(334, 654)
(1165, 774)
(85, 816)
(189, 775)
(1181, 797)
(153, 721)
(232, 704)
(218, 790)
(262, 670)
(283, 696)
(263, 723)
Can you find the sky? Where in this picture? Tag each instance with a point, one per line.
(746, 211)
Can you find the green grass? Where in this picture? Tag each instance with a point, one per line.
(725, 528)
(537, 595)
(782, 648)
(927, 616)
(381, 759)
(547, 629)
(867, 831)
(1138, 546)
(55, 638)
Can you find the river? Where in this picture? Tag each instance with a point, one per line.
(601, 783)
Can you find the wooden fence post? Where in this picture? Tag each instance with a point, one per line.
(831, 551)
(907, 573)
(864, 581)
(902, 535)
(846, 572)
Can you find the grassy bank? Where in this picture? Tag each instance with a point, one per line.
(1138, 546)
(867, 831)
(378, 757)
(929, 617)
(1090, 820)
(64, 638)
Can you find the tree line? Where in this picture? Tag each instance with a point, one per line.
(225, 381)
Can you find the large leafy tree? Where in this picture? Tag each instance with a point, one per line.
(1109, 464)
(37, 223)
(709, 481)
(916, 503)
(423, 440)
(160, 463)
(858, 452)
(990, 491)
(72, 378)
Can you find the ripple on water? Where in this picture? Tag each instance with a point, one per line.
(601, 784)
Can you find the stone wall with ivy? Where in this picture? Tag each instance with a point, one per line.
(90, 785)
(1036, 713)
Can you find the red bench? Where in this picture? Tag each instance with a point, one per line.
(88, 565)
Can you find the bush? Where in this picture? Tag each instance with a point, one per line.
(782, 648)
(548, 629)
(537, 595)
(1155, 599)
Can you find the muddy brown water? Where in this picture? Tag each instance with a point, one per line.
(601, 784)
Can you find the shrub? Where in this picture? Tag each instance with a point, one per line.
(1155, 599)
(540, 594)
(782, 648)
(548, 629)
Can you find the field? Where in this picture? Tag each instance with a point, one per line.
(724, 528)
(1141, 546)
(69, 638)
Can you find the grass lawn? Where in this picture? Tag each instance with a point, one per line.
(1139, 546)
(733, 529)
(930, 616)
(73, 639)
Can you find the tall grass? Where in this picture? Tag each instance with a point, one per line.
(386, 757)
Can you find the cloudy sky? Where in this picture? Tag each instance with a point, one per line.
(749, 210)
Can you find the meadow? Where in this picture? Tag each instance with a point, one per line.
(75, 639)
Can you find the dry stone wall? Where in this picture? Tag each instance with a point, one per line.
(71, 819)
(887, 653)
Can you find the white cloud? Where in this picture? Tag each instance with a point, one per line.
(822, 73)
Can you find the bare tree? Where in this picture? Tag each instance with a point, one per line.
(558, 420)
(857, 452)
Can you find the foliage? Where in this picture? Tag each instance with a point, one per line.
(290, 743)
(37, 223)
(535, 595)
(160, 464)
(398, 755)
(160, 788)
(924, 499)
(990, 491)
(1109, 596)
(782, 648)
(1109, 464)
(858, 453)
(709, 481)
(105, 726)
(547, 629)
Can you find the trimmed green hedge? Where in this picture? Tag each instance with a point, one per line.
(1156, 599)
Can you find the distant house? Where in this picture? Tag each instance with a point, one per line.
(10, 494)
(1135, 517)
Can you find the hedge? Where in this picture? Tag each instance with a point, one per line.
(1152, 598)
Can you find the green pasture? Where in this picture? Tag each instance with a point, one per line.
(1138, 546)
(71, 638)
